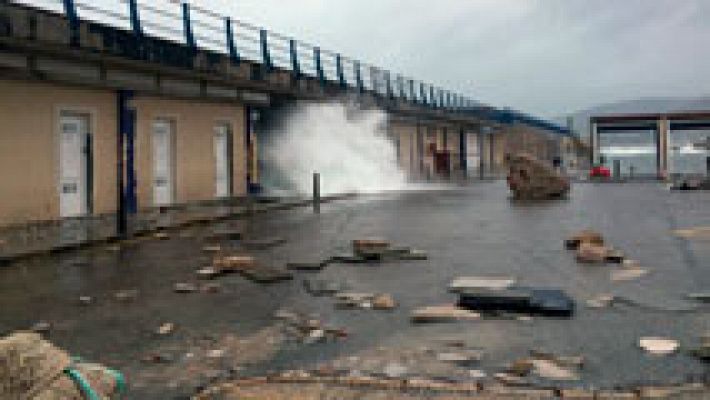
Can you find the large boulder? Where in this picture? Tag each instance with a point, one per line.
(532, 179)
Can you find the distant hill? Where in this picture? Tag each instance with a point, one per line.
(648, 105)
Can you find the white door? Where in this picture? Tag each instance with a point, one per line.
(163, 176)
(221, 156)
(72, 165)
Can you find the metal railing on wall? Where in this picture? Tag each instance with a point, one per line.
(195, 28)
(199, 28)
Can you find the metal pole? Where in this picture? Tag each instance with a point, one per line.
(73, 17)
(231, 44)
(316, 192)
(295, 66)
(339, 71)
(135, 18)
(358, 77)
(187, 27)
(319, 65)
(266, 57)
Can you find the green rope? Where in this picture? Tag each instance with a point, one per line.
(83, 385)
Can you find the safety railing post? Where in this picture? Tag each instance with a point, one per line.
(319, 65)
(388, 85)
(73, 18)
(358, 77)
(432, 98)
(339, 71)
(412, 93)
(400, 86)
(295, 65)
(265, 55)
(187, 27)
(231, 44)
(135, 18)
(422, 93)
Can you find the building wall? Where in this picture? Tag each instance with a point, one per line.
(194, 151)
(29, 155)
(29, 147)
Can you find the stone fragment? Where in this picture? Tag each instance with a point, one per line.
(586, 236)
(166, 329)
(161, 236)
(208, 273)
(216, 353)
(481, 282)
(85, 300)
(182, 287)
(658, 345)
(215, 248)
(233, 263)
(700, 296)
(576, 394)
(383, 302)
(126, 295)
(41, 327)
(414, 255)
(463, 357)
(521, 367)
(443, 313)
(550, 370)
(368, 248)
(591, 253)
(210, 288)
(601, 301)
(615, 256)
(395, 370)
(627, 274)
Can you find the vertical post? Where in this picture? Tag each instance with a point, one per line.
(463, 157)
(412, 92)
(432, 98)
(295, 65)
(316, 192)
(231, 45)
(388, 85)
(187, 27)
(593, 143)
(441, 99)
(74, 24)
(125, 173)
(265, 55)
(339, 71)
(135, 18)
(358, 77)
(481, 150)
(617, 170)
(319, 65)
(400, 84)
(422, 93)
(663, 128)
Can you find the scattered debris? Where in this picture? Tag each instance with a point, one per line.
(354, 300)
(586, 236)
(481, 282)
(216, 353)
(166, 329)
(228, 264)
(443, 313)
(208, 273)
(383, 302)
(126, 295)
(601, 301)
(658, 345)
(699, 233)
(592, 254)
(266, 274)
(700, 296)
(627, 274)
(370, 248)
(86, 300)
(477, 374)
(545, 302)
(215, 248)
(184, 287)
(532, 179)
(564, 361)
(308, 330)
(210, 288)
(413, 255)
(161, 236)
(395, 370)
(550, 370)
(41, 327)
(615, 256)
(462, 358)
(703, 351)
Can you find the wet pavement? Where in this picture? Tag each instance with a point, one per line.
(474, 230)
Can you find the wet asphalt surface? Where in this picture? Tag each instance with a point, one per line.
(474, 230)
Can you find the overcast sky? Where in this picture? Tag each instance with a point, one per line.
(545, 57)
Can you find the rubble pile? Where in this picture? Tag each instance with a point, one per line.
(308, 330)
(247, 266)
(591, 248)
(532, 179)
(33, 368)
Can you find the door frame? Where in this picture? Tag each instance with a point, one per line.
(230, 154)
(91, 115)
(173, 122)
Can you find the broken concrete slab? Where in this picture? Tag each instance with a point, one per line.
(601, 301)
(550, 370)
(659, 345)
(383, 302)
(165, 329)
(370, 247)
(208, 273)
(443, 313)
(481, 282)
